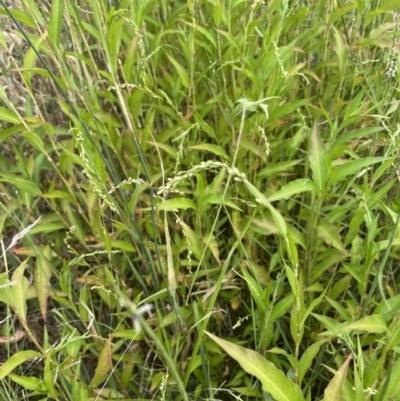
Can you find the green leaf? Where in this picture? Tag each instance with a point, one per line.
(19, 291)
(43, 272)
(16, 360)
(123, 245)
(21, 183)
(3, 42)
(194, 241)
(281, 308)
(340, 50)
(260, 198)
(21, 16)
(59, 194)
(130, 334)
(183, 75)
(353, 167)
(280, 167)
(292, 188)
(334, 391)
(55, 23)
(215, 149)
(30, 60)
(272, 379)
(8, 116)
(47, 228)
(176, 204)
(35, 140)
(329, 233)
(392, 389)
(216, 199)
(371, 324)
(29, 383)
(207, 33)
(114, 40)
(256, 290)
(103, 365)
(319, 163)
(307, 358)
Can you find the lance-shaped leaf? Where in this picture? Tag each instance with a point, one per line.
(292, 188)
(18, 292)
(319, 162)
(103, 365)
(42, 279)
(16, 360)
(334, 391)
(272, 379)
(330, 234)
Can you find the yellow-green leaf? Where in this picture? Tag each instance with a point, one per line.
(334, 391)
(8, 116)
(55, 23)
(43, 273)
(273, 380)
(329, 233)
(18, 292)
(16, 360)
(183, 75)
(319, 163)
(103, 365)
(215, 149)
(176, 204)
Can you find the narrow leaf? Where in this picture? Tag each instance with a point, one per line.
(183, 75)
(329, 233)
(280, 167)
(215, 149)
(292, 188)
(353, 167)
(319, 163)
(307, 358)
(260, 198)
(176, 204)
(273, 380)
(391, 389)
(334, 391)
(16, 360)
(194, 241)
(8, 116)
(103, 365)
(21, 183)
(43, 272)
(29, 383)
(19, 291)
(371, 324)
(55, 23)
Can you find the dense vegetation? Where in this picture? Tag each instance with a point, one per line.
(199, 200)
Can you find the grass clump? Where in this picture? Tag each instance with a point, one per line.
(199, 200)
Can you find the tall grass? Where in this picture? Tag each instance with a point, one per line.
(199, 200)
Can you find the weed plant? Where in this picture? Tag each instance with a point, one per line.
(199, 200)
